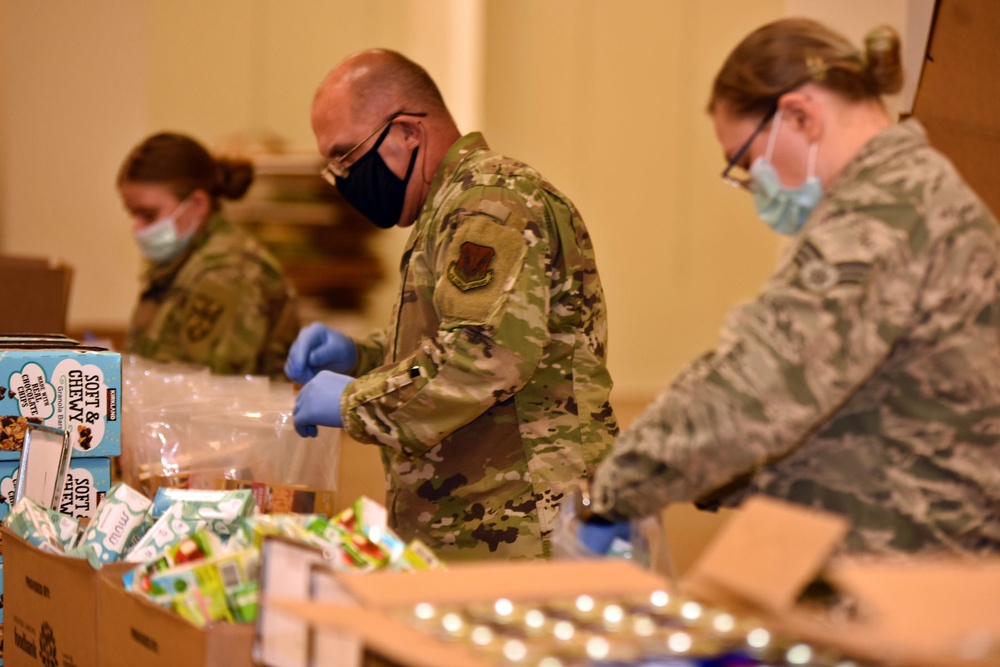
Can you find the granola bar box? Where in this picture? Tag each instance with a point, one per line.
(87, 482)
(67, 386)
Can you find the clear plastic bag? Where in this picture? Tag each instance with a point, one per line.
(184, 427)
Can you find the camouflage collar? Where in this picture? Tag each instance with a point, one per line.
(164, 273)
(459, 152)
(894, 140)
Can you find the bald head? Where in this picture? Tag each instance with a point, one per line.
(378, 82)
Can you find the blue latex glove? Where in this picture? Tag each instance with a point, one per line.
(598, 536)
(319, 348)
(318, 403)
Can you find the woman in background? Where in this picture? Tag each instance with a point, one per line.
(212, 295)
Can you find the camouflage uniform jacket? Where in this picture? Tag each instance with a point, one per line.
(864, 379)
(488, 392)
(223, 304)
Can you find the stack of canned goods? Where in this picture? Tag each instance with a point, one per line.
(658, 630)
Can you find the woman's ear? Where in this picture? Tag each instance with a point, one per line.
(802, 112)
(201, 204)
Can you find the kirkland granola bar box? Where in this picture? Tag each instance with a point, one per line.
(87, 482)
(64, 385)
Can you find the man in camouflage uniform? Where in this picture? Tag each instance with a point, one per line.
(223, 303)
(863, 380)
(488, 391)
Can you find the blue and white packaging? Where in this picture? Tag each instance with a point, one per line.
(87, 482)
(73, 388)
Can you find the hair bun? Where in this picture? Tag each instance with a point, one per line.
(233, 177)
(883, 61)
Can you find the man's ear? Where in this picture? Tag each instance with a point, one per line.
(803, 113)
(413, 131)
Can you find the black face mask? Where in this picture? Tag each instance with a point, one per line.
(372, 188)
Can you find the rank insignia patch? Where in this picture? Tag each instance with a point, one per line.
(472, 268)
(818, 275)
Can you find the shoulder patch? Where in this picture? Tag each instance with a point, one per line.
(202, 314)
(480, 267)
(472, 268)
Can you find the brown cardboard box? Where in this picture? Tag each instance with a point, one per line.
(516, 581)
(912, 611)
(59, 610)
(387, 638)
(35, 294)
(50, 601)
(134, 631)
(958, 97)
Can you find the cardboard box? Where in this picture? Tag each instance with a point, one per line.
(387, 638)
(35, 294)
(87, 482)
(286, 567)
(134, 631)
(958, 97)
(914, 611)
(384, 638)
(72, 388)
(51, 607)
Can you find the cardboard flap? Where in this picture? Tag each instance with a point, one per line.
(765, 555)
(943, 607)
(382, 634)
(530, 580)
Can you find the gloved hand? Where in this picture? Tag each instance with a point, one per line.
(318, 403)
(319, 348)
(597, 534)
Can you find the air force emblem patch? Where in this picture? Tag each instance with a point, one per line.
(472, 268)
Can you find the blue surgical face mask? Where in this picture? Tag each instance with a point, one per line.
(160, 241)
(783, 209)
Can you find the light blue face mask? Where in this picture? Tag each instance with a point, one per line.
(160, 241)
(783, 209)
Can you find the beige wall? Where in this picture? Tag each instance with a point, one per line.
(74, 93)
(606, 99)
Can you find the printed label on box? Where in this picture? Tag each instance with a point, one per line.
(87, 482)
(70, 389)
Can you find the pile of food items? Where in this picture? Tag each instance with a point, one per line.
(197, 552)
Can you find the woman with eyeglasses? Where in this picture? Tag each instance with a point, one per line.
(864, 379)
(212, 295)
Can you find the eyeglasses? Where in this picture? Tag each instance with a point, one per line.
(335, 168)
(736, 175)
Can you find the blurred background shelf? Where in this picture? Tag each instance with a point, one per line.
(320, 240)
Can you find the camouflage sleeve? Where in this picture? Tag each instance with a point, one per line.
(785, 362)
(491, 292)
(371, 352)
